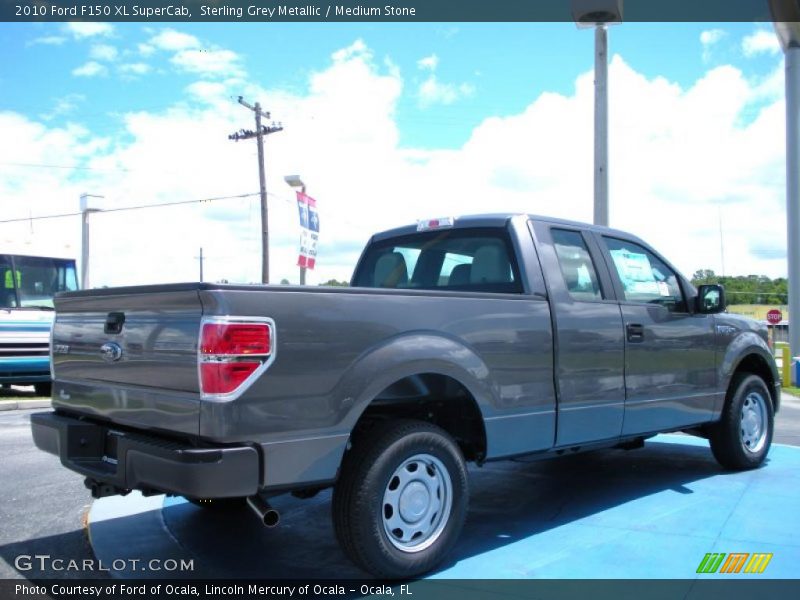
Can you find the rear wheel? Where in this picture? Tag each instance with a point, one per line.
(401, 499)
(742, 438)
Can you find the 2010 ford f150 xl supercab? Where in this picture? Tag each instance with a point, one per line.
(469, 339)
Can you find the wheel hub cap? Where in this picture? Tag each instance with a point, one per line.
(414, 501)
(753, 422)
(417, 503)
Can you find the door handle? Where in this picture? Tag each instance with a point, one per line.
(635, 332)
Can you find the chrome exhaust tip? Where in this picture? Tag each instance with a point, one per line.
(268, 516)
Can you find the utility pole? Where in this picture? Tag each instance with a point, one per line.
(259, 133)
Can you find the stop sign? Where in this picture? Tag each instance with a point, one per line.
(774, 316)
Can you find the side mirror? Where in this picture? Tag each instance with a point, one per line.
(710, 299)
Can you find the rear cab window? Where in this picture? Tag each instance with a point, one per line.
(461, 259)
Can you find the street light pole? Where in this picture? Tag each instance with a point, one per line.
(786, 18)
(601, 125)
(600, 14)
(85, 210)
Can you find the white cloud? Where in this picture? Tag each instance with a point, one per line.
(145, 49)
(135, 68)
(172, 40)
(208, 91)
(432, 91)
(428, 63)
(208, 62)
(87, 29)
(761, 42)
(90, 69)
(63, 106)
(354, 50)
(103, 52)
(676, 155)
(710, 37)
(48, 40)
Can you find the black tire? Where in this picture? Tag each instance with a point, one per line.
(369, 470)
(734, 441)
(44, 388)
(219, 504)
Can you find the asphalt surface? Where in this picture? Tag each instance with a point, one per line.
(44, 505)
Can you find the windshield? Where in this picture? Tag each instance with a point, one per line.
(32, 281)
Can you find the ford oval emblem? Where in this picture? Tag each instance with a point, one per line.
(111, 352)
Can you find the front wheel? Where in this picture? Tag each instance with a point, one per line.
(401, 499)
(743, 435)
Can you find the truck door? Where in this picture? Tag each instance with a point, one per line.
(589, 344)
(670, 362)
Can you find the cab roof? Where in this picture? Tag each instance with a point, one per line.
(501, 220)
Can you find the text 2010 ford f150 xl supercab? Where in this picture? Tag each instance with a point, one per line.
(470, 339)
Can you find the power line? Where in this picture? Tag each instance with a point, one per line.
(140, 206)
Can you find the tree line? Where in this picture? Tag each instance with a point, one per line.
(746, 289)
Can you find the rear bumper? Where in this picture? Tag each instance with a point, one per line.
(136, 461)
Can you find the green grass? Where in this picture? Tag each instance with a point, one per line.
(794, 391)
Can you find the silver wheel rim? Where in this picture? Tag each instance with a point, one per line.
(416, 503)
(754, 422)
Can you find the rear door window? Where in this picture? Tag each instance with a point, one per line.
(480, 260)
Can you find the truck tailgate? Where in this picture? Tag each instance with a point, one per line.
(130, 356)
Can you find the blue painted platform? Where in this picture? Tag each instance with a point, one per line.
(648, 513)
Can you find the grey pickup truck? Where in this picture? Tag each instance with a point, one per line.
(461, 340)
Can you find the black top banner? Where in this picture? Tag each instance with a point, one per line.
(588, 11)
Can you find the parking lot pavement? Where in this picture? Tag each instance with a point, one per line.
(45, 505)
(787, 422)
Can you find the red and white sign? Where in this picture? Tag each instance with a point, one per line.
(774, 316)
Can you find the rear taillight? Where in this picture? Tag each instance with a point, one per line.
(231, 352)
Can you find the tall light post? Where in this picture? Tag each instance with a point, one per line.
(295, 182)
(85, 210)
(599, 13)
(786, 17)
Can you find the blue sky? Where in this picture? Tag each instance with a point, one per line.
(417, 105)
(508, 64)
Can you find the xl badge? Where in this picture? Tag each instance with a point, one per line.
(111, 352)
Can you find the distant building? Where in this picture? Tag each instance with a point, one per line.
(779, 332)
